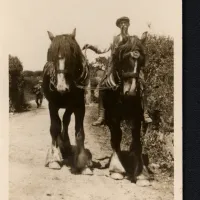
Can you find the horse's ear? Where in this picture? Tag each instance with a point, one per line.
(144, 37)
(74, 33)
(51, 36)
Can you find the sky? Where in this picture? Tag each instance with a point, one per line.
(28, 21)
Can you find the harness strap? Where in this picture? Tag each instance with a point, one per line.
(61, 71)
(130, 74)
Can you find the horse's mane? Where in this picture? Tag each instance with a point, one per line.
(67, 46)
(129, 44)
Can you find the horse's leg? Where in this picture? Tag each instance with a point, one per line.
(54, 157)
(140, 174)
(116, 169)
(83, 157)
(65, 141)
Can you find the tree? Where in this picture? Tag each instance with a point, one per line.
(102, 60)
(16, 84)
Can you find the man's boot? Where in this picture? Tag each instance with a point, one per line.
(147, 118)
(100, 121)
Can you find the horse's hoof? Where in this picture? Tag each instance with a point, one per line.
(143, 183)
(54, 165)
(115, 165)
(142, 177)
(116, 176)
(87, 171)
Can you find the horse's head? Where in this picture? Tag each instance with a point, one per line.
(66, 56)
(129, 58)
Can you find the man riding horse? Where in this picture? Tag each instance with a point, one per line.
(123, 23)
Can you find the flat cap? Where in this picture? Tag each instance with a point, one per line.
(122, 19)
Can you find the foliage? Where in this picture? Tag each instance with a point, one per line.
(30, 82)
(159, 76)
(157, 145)
(102, 60)
(16, 85)
(31, 78)
(38, 73)
(28, 73)
(15, 65)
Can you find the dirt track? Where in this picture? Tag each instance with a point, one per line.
(30, 180)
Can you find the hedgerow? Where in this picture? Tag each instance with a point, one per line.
(159, 76)
(16, 85)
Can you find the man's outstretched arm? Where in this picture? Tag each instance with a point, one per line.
(96, 49)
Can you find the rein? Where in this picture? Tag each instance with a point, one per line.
(61, 70)
(94, 88)
(130, 75)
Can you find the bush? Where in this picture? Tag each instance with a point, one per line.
(38, 73)
(160, 80)
(31, 78)
(16, 85)
(159, 76)
(30, 82)
(28, 73)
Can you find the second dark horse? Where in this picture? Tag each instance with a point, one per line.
(65, 69)
(122, 101)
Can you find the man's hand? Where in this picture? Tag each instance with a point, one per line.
(135, 54)
(85, 46)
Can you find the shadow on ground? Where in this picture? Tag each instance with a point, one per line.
(127, 159)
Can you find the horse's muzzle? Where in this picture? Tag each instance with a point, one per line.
(130, 88)
(62, 84)
(62, 89)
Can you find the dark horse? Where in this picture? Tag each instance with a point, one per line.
(122, 101)
(65, 69)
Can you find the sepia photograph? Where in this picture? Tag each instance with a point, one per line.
(94, 97)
